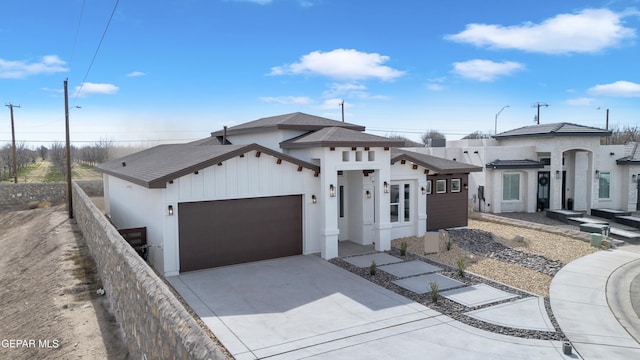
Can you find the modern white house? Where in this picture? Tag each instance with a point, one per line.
(279, 186)
(548, 166)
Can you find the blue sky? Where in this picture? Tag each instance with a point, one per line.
(177, 70)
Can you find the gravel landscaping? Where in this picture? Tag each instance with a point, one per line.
(517, 258)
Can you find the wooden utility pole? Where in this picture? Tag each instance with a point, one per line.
(538, 104)
(66, 121)
(13, 142)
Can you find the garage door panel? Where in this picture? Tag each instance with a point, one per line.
(225, 232)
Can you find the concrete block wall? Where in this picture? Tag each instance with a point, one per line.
(53, 192)
(156, 325)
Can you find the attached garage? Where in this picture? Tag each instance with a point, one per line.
(226, 232)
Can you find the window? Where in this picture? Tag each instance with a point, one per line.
(429, 187)
(441, 186)
(455, 185)
(510, 186)
(400, 205)
(341, 202)
(604, 182)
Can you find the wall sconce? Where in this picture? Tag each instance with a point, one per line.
(465, 152)
(170, 210)
(465, 186)
(386, 187)
(367, 194)
(634, 178)
(597, 174)
(314, 199)
(332, 190)
(557, 174)
(423, 190)
(611, 153)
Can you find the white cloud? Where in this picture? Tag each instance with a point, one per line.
(584, 101)
(618, 89)
(588, 31)
(136, 74)
(485, 70)
(48, 64)
(95, 88)
(347, 64)
(287, 100)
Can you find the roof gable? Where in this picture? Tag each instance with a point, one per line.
(337, 137)
(552, 130)
(294, 121)
(153, 168)
(437, 164)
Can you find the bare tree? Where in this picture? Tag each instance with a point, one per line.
(477, 135)
(58, 156)
(42, 151)
(431, 134)
(621, 136)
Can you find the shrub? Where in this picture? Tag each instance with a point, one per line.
(403, 248)
(434, 291)
(461, 267)
(372, 268)
(448, 243)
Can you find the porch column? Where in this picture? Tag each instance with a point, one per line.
(329, 212)
(382, 229)
(422, 207)
(556, 189)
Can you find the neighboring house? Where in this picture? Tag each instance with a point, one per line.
(549, 166)
(280, 186)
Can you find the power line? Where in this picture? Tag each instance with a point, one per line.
(75, 38)
(104, 33)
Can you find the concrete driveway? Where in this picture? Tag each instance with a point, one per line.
(304, 307)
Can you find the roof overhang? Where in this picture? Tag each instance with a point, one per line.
(515, 164)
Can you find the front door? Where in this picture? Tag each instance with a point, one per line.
(543, 190)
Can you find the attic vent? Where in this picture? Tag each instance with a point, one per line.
(124, 164)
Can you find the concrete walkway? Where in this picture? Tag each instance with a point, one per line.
(584, 296)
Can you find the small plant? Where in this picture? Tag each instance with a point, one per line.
(434, 291)
(403, 248)
(448, 243)
(372, 268)
(461, 267)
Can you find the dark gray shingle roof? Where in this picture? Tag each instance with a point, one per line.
(339, 136)
(293, 121)
(515, 164)
(154, 167)
(550, 130)
(434, 163)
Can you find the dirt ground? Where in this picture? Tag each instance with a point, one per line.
(49, 308)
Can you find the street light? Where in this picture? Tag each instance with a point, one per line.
(495, 131)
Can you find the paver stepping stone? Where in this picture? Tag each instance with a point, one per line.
(477, 295)
(409, 268)
(421, 284)
(365, 260)
(528, 313)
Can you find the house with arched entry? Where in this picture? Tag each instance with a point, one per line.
(280, 186)
(548, 166)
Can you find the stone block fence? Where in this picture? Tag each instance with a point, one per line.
(53, 192)
(156, 325)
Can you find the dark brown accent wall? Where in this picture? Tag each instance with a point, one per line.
(449, 209)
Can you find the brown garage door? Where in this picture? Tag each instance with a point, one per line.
(225, 232)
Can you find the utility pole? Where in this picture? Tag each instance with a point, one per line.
(538, 104)
(66, 121)
(13, 142)
(342, 105)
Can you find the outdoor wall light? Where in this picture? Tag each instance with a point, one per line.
(465, 152)
(423, 190)
(465, 186)
(332, 190)
(634, 178)
(314, 199)
(170, 210)
(367, 194)
(557, 174)
(386, 187)
(597, 173)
